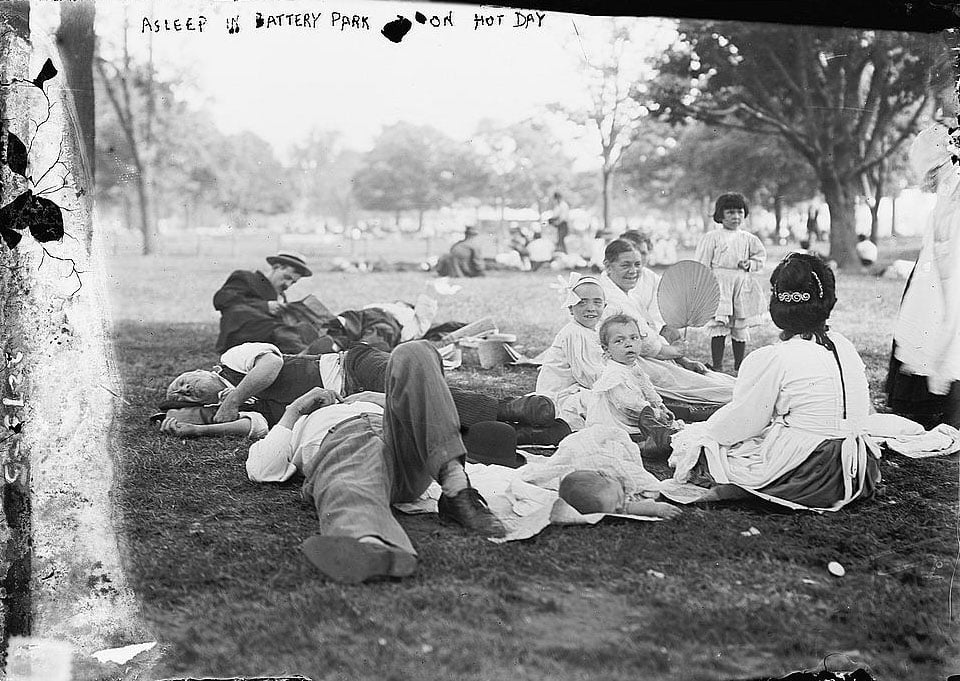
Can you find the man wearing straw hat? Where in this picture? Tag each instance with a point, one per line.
(250, 304)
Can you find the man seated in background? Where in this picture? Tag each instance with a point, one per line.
(251, 312)
(867, 251)
(357, 457)
(465, 258)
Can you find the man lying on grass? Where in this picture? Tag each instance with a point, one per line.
(256, 383)
(361, 454)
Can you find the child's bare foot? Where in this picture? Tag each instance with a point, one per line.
(649, 507)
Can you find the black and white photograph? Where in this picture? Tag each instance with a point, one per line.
(375, 340)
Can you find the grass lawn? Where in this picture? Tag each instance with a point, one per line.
(213, 556)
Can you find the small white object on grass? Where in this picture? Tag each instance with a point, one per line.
(654, 573)
(444, 287)
(752, 532)
(124, 654)
(836, 569)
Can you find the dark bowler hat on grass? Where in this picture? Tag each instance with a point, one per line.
(493, 442)
(291, 259)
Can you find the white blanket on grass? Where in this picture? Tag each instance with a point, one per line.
(526, 499)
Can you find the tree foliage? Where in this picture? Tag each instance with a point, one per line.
(843, 99)
(698, 162)
(417, 168)
(615, 63)
(525, 162)
(322, 171)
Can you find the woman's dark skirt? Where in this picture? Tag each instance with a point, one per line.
(818, 481)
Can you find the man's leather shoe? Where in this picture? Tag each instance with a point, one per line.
(530, 410)
(469, 509)
(544, 436)
(346, 559)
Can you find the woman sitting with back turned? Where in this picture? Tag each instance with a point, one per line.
(794, 432)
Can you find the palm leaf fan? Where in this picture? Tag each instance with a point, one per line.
(688, 294)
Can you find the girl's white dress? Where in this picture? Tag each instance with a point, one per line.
(788, 400)
(571, 365)
(671, 380)
(620, 394)
(742, 301)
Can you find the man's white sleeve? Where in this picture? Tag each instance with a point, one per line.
(269, 459)
(242, 357)
(258, 424)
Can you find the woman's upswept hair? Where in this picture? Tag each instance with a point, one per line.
(726, 201)
(613, 320)
(616, 248)
(803, 292)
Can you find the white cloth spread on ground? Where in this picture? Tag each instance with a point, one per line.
(526, 499)
(788, 399)
(910, 439)
(571, 365)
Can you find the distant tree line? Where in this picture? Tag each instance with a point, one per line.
(782, 114)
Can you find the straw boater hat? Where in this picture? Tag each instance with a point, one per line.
(291, 259)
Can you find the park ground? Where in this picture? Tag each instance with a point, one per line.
(213, 556)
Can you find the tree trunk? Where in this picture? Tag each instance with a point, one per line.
(875, 220)
(420, 221)
(147, 229)
(893, 217)
(777, 216)
(607, 176)
(397, 218)
(841, 199)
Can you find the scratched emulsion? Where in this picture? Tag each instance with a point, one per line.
(78, 592)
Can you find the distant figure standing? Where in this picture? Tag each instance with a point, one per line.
(867, 251)
(733, 254)
(465, 258)
(560, 220)
(813, 225)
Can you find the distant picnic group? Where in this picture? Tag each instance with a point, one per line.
(358, 405)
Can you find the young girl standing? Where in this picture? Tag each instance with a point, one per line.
(733, 255)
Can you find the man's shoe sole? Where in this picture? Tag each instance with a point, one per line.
(349, 560)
